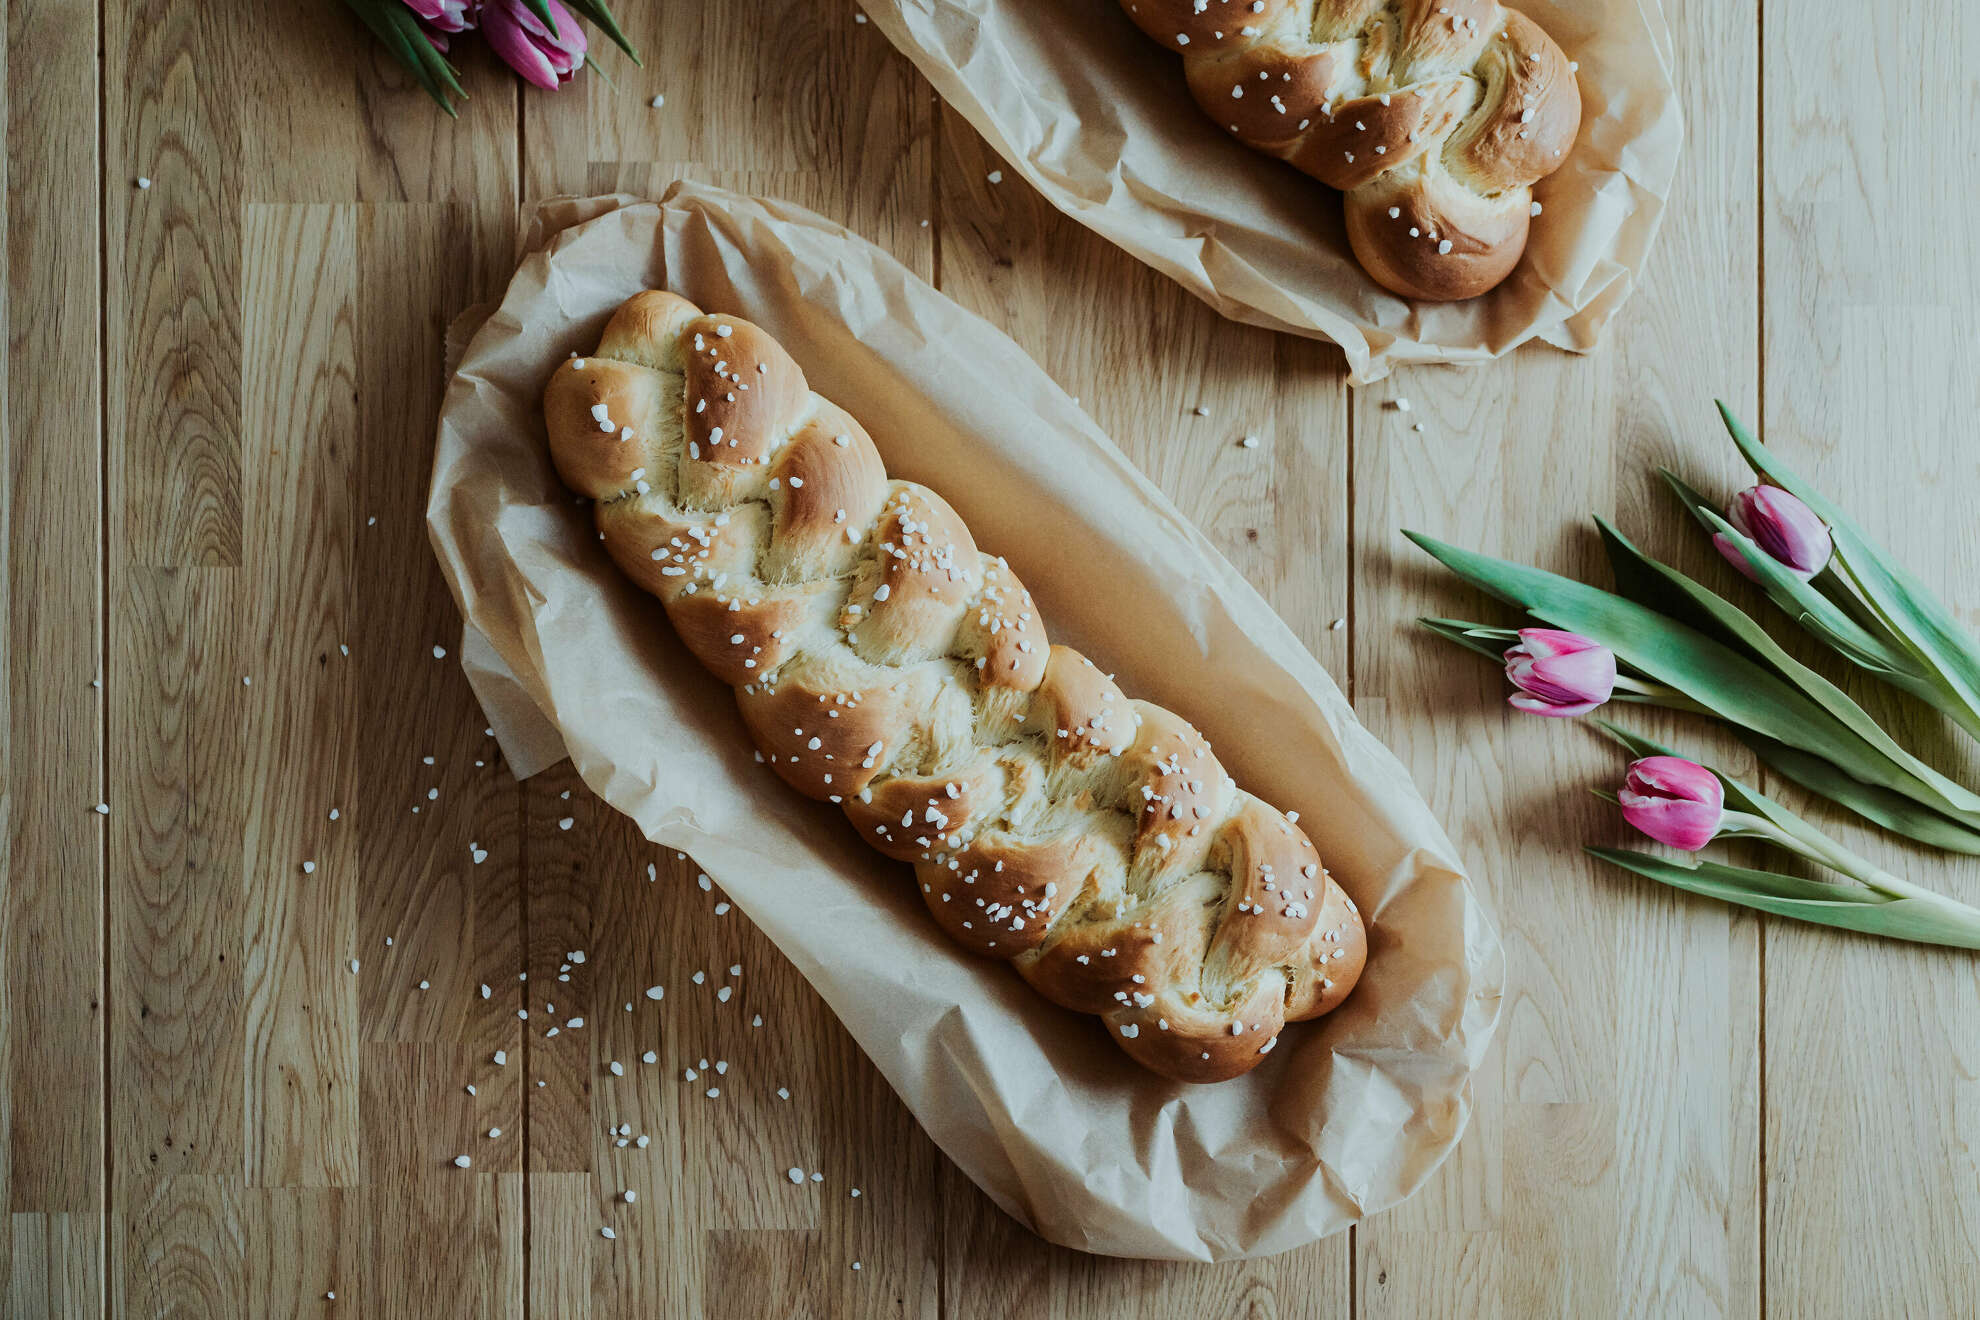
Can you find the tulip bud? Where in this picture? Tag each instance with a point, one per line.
(543, 57)
(1782, 526)
(1674, 801)
(1559, 673)
(446, 15)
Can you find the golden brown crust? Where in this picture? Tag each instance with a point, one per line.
(883, 663)
(1086, 716)
(1434, 117)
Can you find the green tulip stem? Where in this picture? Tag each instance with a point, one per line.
(1807, 841)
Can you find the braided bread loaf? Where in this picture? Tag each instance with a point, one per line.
(884, 664)
(1434, 117)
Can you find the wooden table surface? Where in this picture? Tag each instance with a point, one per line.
(222, 620)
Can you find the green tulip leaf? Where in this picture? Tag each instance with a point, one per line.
(1648, 582)
(1487, 641)
(1693, 499)
(1919, 920)
(433, 62)
(601, 15)
(396, 28)
(1880, 806)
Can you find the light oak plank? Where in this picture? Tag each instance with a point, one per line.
(54, 1266)
(299, 868)
(1869, 303)
(180, 720)
(844, 106)
(563, 1239)
(304, 1244)
(431, 790)
(431, 795)
(412, 155)
(180, 1247)
(301, 138)
(557, 923)
(994, 1268)
(336, 315)
(438, 1240)
(173, 113)
(51, 868)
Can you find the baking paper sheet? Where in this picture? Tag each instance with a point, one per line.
(1099, 119)
(1347, 1116)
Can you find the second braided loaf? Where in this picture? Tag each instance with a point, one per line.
(1433, 117)
(885, 664)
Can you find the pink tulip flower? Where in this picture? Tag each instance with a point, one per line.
(1782, 526)
(446, 15)
(1559, 673)
(1674, 801)
(543, 57)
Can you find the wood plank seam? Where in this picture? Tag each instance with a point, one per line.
(107, 1255)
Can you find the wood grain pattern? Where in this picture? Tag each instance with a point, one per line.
(1867, 306)
(299, 922)
(172, 277)
(177, 1060)
(1687, 1111)
(54, 1265)
(438, 852)
(51, 867)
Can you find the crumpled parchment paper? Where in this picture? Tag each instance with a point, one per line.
(1098, 118)
(1346, 1117)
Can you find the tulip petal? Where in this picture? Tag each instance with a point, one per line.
(524, 58)
(544, 58)
(1674, 776)
(1724, 545)
(1560, 669)
(445, 15)
(1788, 530)
(1686, 825)
(1577, 676)
(1544, 642)
(1673, 800)
(1533, 705)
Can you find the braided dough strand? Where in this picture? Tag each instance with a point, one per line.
(1433, 117)
(885, 664)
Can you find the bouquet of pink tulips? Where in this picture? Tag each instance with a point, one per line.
(1664, 639)
(539, 39)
